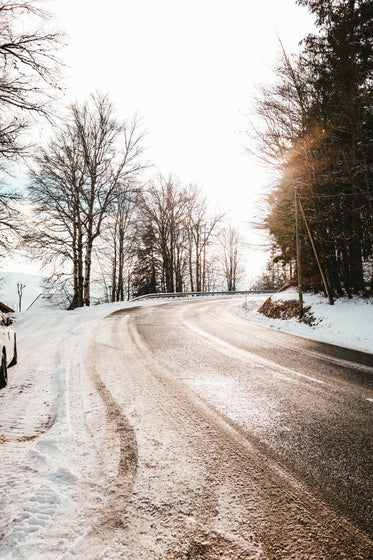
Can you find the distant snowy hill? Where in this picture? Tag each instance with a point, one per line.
(35, 293)
(33, 286)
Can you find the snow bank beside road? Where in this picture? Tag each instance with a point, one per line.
(349, 322)
(51, 423)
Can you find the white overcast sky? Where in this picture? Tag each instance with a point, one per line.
(189, 68)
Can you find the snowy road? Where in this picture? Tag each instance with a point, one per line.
(183, 431)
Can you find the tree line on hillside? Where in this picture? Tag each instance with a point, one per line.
(91, 217)
(96, 218)
(316, 130)
(92, 212)
(182, 247)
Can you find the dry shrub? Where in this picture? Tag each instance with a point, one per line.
(286, 310)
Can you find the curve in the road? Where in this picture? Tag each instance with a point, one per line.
(229, 432)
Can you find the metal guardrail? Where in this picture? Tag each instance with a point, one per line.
(173, 295)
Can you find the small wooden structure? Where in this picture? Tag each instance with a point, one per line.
(5, 309)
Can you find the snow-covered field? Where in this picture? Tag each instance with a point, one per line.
(32, 287)
(56, 461)
(42, 455)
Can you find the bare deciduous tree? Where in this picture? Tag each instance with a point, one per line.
(20, 288)
(9, 221)
(28, 73)
(119, 237)
(76, 181)
(163, 211)
(201, 227)
(230, 254)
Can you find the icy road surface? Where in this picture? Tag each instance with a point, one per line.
(183, 431)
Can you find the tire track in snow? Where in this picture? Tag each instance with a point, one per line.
(22, 425)
(47, 440)
(111, 515)
(173, 497)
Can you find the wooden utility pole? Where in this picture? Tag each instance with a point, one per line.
(331, 302)
(299, 255)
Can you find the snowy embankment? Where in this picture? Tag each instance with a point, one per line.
(349, 322)
(57, 461)
(52, 437)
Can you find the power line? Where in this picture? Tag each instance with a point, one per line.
(343, 195)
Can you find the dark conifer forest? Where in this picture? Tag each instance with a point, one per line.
(317, 130)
